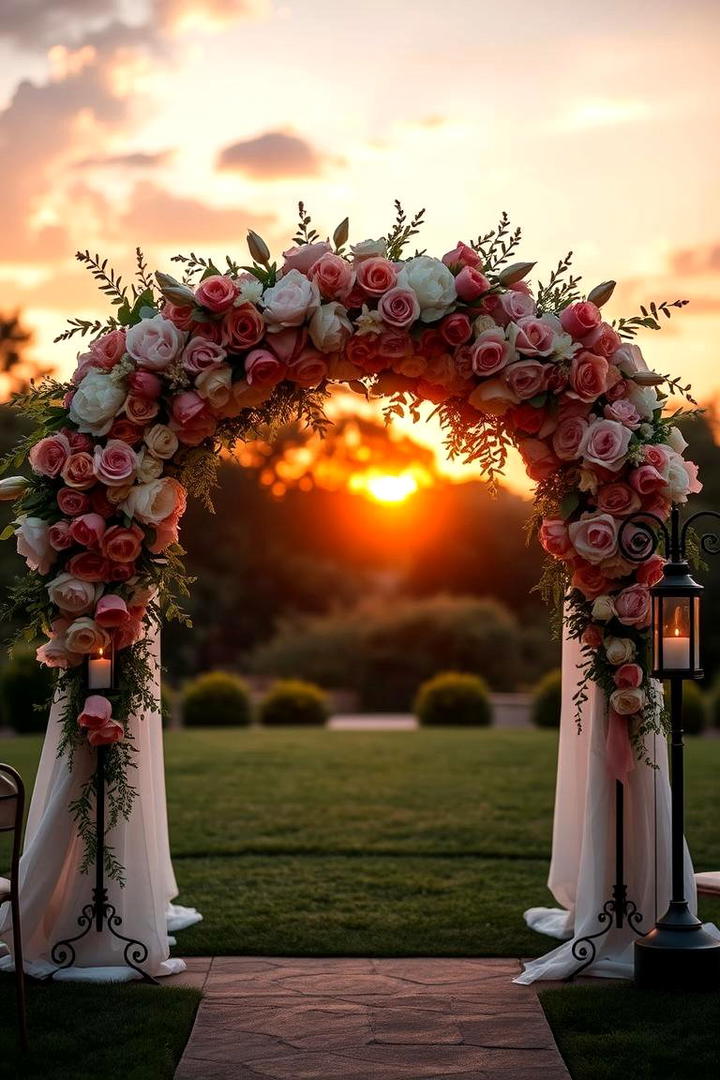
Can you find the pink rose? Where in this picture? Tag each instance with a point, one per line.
(77, 440)
(554, 537)
(242, 328)
(59, 535)
(140, 410)
(111, 611)
(191, 418)
(108, 350)
(262, 368)
(633, 606)
(154, 343)
(590, 580)
(123, 544)
(72, 502)
(603, 340)
(628, 675)
(580, 318)
(309, 369)
(180, 314)
(71, 594)
(55, 652)
(88, 566)
(618, 499)
(87, 530)
(617, 390)
(514, 305)
(399, 307)
(647, 480)
(658, 456)
(605, 444)
(334, 275)
(304, 257)
(456, 329)
(540, 461)
(462, 255)
(568, 437)
(120, 572)
(589, 376)
(594, 537)
(97, 711)
(79, 472)
(526, 378)
(144, 384)
(115, 463)
(109, 733)
(217, 293)
(376, 275)
(534, 337)
(491, 352)
(471, 284)
(200, 354)
(624, 412)
(48, 456)
(291, 301)
(651, 571)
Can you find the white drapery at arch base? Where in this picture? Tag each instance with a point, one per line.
(183, 369)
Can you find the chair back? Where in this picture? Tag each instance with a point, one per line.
(12, 799)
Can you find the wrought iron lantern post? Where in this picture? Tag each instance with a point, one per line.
(678, 953)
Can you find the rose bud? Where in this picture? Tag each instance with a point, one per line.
(340, 236)
(601, 293)
(258, 249)
(12, 488)
(174, 291)
(514, 273)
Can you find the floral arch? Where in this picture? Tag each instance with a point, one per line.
(183, 369)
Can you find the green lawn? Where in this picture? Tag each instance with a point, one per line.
(429, 842)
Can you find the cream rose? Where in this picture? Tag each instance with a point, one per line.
(85, 636)
(148, 467)
(432, 283)
(628, 701)
(96, 403)
(330, 327)
(152, 502)
(619, 650)
(290, 301)
(161, 441)
(214, 385)
(603, 608)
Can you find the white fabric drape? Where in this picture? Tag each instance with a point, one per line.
(53, 892)
(582, 869)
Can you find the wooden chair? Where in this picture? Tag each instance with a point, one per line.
(12, 808)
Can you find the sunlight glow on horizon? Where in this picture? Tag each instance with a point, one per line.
(385, 487)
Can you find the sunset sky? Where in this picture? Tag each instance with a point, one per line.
(176, 124)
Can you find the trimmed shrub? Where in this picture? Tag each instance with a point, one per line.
(547, 701)
(23, 684)
(216, 699)
(694, 711)
(293, 702)
(453, 698)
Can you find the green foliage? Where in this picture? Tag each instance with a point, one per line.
(547, 701)
(167, 704)
(24, 684)
(453, 698)
(694, 710)
(216, 699)
(402, 230)
(497, 245)
(294, 702)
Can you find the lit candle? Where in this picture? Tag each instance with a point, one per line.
(100, 672)
(676, 643)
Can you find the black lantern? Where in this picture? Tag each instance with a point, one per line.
(676, 606)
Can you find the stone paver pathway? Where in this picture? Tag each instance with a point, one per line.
(360, 1019)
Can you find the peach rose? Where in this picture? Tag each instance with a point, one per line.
(139, 411)
(161, 441)
(618, 499)
(376, 276)
(603, 340)
(619, 650)
(628, 701)
(84, 636)
(263, 368)
(217, 293)
(79, 472)
(493, 396)
(540, 461)
(554, 537)
(589, 579)
(309, 369)
(88, 530)
(588, 376)
(59, 535)
(72, 595)
(242, 328)
(48, 456)
(214, 385)
(123, 543)
(115, 463)
(334, 275)
(594, 536)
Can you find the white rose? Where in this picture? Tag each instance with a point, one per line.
(676, 441)
(645, 400)
(290, 301)
(154, 343)
(369, 249)
(96, 403)
(432, 283)
(33, 544)
(677, 478)
(85, 636)
(161, 441)
(619, 650)
(628, 701)
(148, 468)
(215, 385)
(151, 502)
(330, 327)
(629, 359)
(72, 595)
(603, 608)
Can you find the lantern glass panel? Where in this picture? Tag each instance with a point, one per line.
(676, 612)
(696, 634)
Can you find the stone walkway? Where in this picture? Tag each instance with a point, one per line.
(358, 1019)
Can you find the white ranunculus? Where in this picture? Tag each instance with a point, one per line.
(676, 440)
(161, 441)
(603, 608)
(290, 301)
(151, 502)
(432, 283)
(85, 636)
(96, 402)
(154, 343)
(619, 650)
(628, 701)
(330, 327)
(72, 595)
(33, 544)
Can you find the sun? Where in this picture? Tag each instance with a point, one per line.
(386, 487)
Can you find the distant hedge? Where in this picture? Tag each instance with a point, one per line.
(216, 699)
(294, 702)
(547, 701)
(453, 698)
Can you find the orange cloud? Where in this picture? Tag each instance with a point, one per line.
(272, 156)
